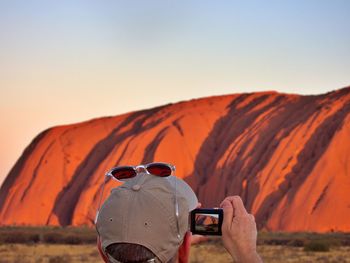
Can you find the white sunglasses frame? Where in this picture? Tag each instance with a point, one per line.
(136, 168)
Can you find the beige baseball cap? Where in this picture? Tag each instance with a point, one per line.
(143, 211)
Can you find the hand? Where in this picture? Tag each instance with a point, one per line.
(196, 239)
(239, 232)
(183, 254)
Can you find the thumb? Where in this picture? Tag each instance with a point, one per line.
(228, 212)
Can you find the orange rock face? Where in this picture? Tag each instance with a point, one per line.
(287, 156)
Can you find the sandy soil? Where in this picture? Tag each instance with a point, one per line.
(43, 253)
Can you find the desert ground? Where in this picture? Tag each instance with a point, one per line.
(55, 253)
(77, 244)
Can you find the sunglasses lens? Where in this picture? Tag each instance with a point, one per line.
(159, 169)
(121, 173)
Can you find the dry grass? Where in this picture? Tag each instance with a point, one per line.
(273, 254)
(47, 253)
(71, 244)
(209, 252)
(296, 254)
(47, 234)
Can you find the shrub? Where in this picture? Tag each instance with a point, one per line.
(51, 235)
(73, 240)
(317, 246)
(59, 259)
(68, 238)
(297, 243)
(20, 238)
(277, 242)
(52, 238)
(59, 238)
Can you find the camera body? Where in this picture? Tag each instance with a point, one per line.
(207, 221)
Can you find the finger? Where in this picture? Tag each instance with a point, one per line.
(227, 207)
(199, 205)
(238, 205)
(195, 239)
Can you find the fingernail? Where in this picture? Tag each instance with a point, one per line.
(225, 204)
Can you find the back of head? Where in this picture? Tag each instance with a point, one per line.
(129, 253)
(145, 218)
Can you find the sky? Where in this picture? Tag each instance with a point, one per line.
(68, 61)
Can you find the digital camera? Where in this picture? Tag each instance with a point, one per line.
(207, 221)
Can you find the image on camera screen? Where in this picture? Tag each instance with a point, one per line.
(207, 223)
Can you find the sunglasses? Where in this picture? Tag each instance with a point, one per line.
(121, 173)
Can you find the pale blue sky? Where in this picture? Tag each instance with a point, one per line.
(68, 61)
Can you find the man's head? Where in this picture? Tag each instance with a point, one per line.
(148, 214)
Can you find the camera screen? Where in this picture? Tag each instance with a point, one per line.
(207, 223)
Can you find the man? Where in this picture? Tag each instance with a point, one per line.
(146, 220)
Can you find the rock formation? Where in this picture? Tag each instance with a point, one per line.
(287, 156)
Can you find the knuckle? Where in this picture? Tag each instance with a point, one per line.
(252, 217)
